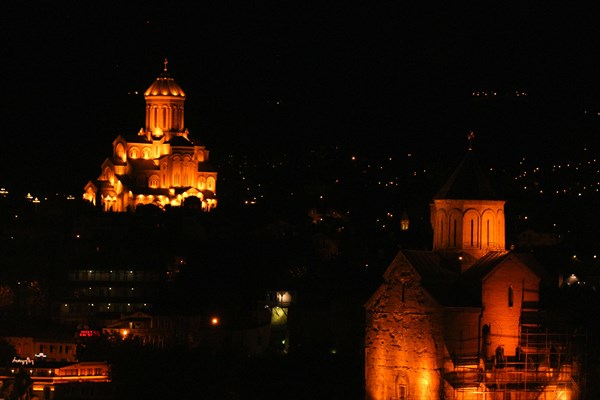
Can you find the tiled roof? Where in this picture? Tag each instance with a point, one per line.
(180, 141)
(484, 265)
(135, 138)
(208, 194)
(441, 278)
(439, 273)
(142, 164)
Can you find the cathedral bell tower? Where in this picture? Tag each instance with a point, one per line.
(467, 217)
(164, 107)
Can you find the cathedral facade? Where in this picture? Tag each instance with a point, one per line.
(161, 165)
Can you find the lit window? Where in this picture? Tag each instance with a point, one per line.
(153, 181)
(133, 153)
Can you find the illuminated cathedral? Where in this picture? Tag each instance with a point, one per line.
(162, 165)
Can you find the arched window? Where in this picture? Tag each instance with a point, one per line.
(510, 296)
(163, 168)
(120, 151)
(489, 229)
(201, 183)
(401, 386)
(471, 235)
(454, 234)
(187, 170)
(440, 236)
(472, 232)
(176, 170)
(153, 181)
(146, 153)
(164, 121)
(134, 153)
(155, 116)
(210, 183)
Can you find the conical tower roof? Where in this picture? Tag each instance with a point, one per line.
(468, 181)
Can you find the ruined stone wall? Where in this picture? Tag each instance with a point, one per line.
(404, 350)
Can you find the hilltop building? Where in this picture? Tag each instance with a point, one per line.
(161, 165)
(463, 321)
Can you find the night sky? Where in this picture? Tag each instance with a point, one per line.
(373, 75)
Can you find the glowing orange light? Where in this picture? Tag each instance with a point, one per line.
(214, 321)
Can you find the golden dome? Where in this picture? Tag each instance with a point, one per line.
(164, 85)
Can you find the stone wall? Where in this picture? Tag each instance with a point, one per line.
(404, 350)
(502, 316)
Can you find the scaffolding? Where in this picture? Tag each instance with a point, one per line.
(547, 365)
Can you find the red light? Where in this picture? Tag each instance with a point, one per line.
(89, 333)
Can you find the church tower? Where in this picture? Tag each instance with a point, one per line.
(467, 217)
(161, 165)
(164, 107)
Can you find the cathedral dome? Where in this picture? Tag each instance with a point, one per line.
(164, 85)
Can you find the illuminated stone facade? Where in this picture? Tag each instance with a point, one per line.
(461, 321)
(161, 165)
